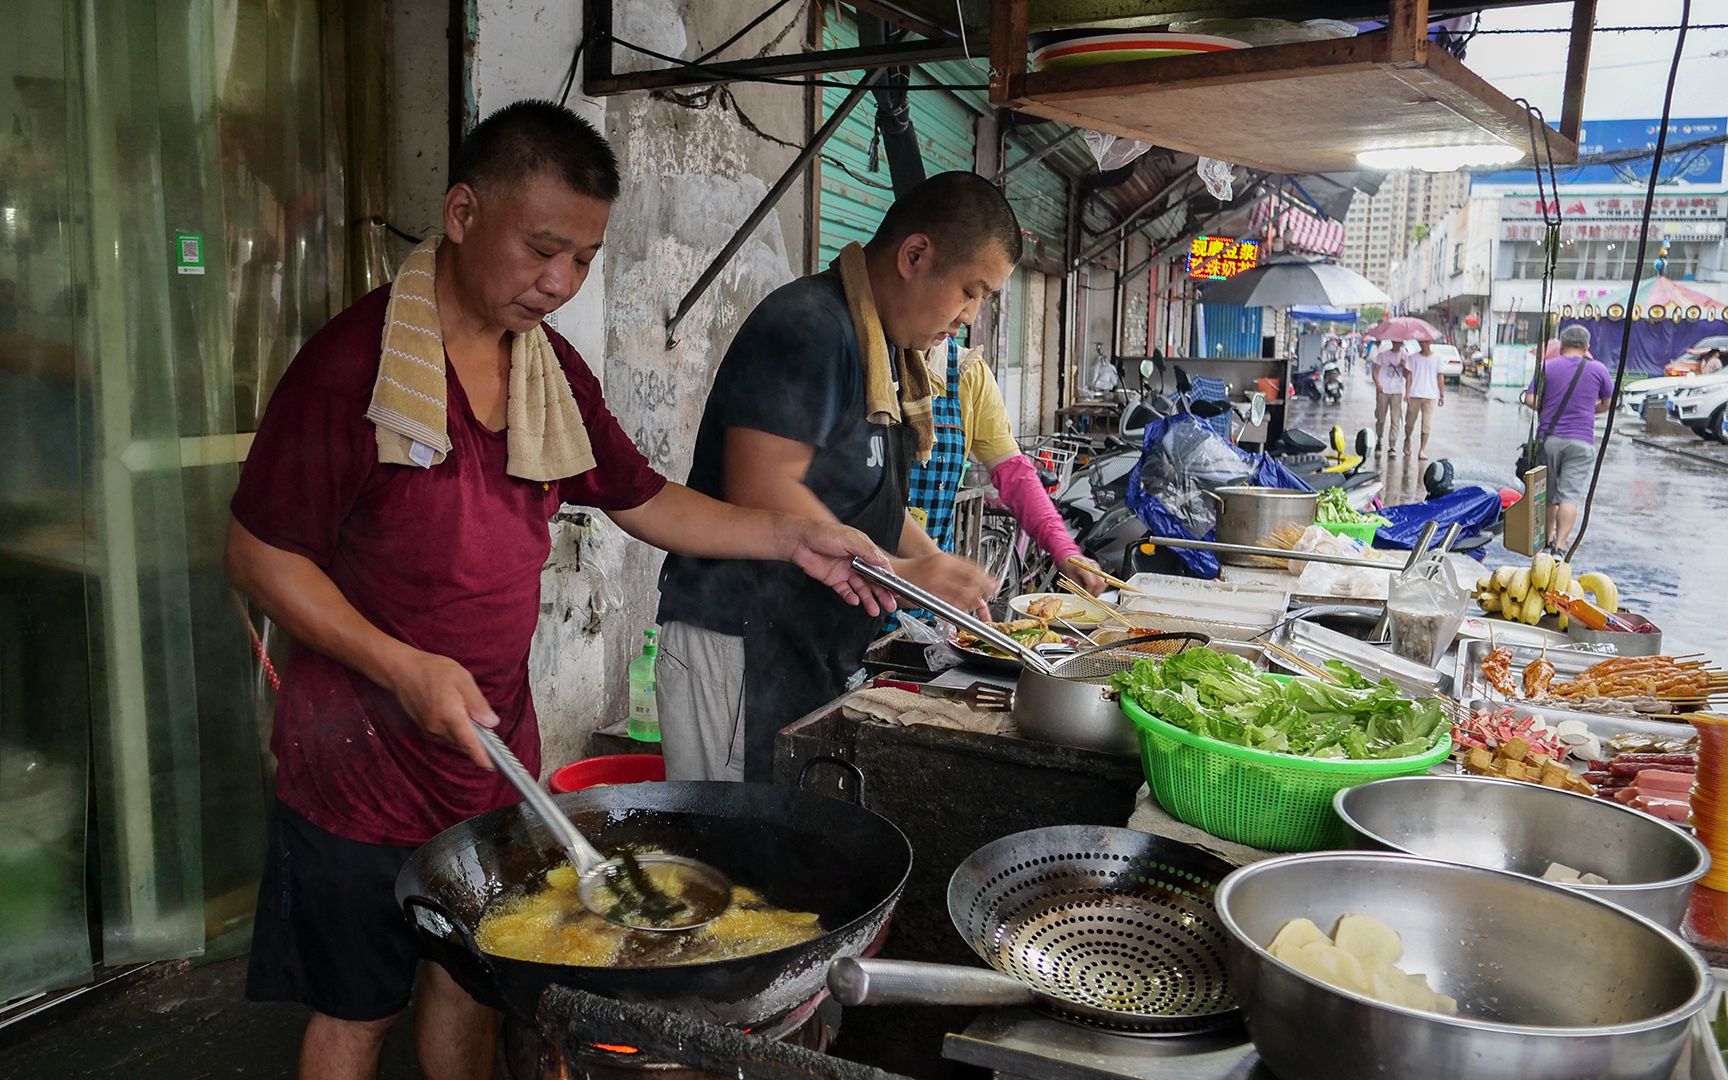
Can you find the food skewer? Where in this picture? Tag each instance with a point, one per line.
(1109, 579)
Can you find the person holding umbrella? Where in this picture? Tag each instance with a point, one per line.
(1424, 390)
(1387, 368)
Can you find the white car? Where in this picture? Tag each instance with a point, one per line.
(1655, 392)
(1451, 362)
(1702, 405)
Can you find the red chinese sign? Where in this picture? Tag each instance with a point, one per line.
(1217, 257)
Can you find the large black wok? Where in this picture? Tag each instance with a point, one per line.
(803, 851)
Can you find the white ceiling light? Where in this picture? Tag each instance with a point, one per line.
(1441, 158)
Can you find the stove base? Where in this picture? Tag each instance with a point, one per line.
(1019, 1044)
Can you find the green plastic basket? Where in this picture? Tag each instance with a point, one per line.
(1364, 531)
(1276, 802)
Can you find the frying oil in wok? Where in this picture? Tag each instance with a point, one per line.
(550, 926)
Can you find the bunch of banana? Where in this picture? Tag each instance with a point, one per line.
(1516, 592)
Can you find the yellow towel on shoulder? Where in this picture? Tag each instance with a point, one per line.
(546, 437)
(912, 406)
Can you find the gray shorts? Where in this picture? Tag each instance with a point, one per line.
(1570, 462)
(699, 688)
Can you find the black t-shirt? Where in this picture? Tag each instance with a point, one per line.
(792, 371)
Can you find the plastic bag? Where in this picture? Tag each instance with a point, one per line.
(1113, 151)
(1330, 579)
(1180, 456)
(1426, 605)
(1187, 462)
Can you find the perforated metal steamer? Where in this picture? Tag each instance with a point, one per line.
(1110, 928)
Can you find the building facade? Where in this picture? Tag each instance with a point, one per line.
(1380, 229)
(1488, 259)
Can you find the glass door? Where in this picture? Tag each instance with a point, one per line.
(170, 233)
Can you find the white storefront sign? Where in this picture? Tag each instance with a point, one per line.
(1614, 207)
(1613, 230)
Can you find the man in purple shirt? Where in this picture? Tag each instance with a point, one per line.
(1567, 427)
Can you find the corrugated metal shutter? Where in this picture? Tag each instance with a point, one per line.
(856, 192)
(1231, 330)
(1039, 195)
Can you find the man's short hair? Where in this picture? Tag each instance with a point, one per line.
(1574, 337)
(529, 137)
(960, 211)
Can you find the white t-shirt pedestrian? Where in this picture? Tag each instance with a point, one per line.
(1389, 371)
(1424, 375)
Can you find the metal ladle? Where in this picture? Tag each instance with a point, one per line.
(619, 890)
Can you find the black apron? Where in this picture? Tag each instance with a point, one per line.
(801, 641)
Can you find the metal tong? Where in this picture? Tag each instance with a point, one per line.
(965, 620)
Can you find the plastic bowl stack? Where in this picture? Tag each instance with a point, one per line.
(1709, 814)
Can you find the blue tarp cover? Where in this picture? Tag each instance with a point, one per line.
(1471, 507)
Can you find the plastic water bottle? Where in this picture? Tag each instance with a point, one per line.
(644, 722)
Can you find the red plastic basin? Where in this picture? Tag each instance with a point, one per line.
(609, 769)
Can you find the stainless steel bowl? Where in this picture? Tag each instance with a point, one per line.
(1551, 984)
(1506, 825)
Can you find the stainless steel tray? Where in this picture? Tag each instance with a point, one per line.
(1315, 643)
(1567, 662)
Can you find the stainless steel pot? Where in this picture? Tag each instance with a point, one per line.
(1522, 828)
(1250, 515)
(1073, 712)
(1076, 704)
(1551, 984)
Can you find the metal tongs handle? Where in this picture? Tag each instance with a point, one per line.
(582, 854)
(965, 620)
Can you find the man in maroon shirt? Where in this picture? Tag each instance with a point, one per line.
(412, 593)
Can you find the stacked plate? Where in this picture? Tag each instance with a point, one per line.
(1060, 49)
(1709, 808)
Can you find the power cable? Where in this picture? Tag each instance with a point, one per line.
(1603, 29)
(745, 29)
(725, 74)
(1637, 273)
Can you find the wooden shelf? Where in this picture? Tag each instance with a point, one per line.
(1307, 107)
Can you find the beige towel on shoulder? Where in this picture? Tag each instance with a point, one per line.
(912, 406)
(546, 437)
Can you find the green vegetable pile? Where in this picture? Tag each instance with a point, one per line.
(1223, 697)
(1335, 508)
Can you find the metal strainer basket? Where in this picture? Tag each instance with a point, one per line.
(1100, 662)
(1110, 928)
(1114, 927)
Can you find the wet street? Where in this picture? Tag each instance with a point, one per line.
(1654, 512)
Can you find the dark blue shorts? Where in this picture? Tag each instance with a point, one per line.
(328, 932)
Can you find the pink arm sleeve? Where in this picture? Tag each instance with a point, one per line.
(1017, 482)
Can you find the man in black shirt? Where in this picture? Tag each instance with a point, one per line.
(789, 426)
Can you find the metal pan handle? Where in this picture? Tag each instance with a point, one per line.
(965, 620)
(459, 933)
(841, 763)
(856, 981)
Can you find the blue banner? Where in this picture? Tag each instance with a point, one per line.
(1653, 343)
(1700, 166)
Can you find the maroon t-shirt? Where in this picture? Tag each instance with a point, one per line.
(446, 559)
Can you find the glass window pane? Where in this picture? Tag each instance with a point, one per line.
(44, 675)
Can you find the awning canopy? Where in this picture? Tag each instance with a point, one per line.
(1323, 314)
